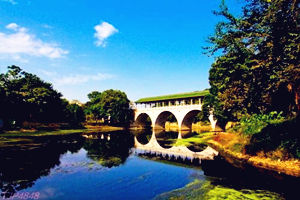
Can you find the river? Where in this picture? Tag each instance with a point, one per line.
(106, 167)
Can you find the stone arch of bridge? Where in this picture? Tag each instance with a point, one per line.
(158, 118)
(188, 119)
(143, 120)
(162, 118)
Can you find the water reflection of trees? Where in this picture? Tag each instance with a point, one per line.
(112, 152)
(22, 163)
(143, 135)
(166, 138)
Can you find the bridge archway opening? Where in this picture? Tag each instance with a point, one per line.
(166, 120)
(188, 131)
(189, 119)
(166, 129)
(143, 121)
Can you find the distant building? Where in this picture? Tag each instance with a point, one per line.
(76, 102)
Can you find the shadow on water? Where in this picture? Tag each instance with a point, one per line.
(25, 160)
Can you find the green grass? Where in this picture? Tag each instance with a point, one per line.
(198, 139)
(174, 96)
(41, 133)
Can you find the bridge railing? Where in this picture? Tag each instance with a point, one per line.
(149, 107)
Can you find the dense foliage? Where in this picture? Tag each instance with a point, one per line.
(111, 105)
(25, 97)
(257, 69)
(256, 122)
(93, 106)
(283, 136)
(74, 114)
(255, 79)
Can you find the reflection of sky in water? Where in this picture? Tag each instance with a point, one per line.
(78, 177)
(71, 164)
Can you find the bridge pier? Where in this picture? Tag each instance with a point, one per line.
(179, 134)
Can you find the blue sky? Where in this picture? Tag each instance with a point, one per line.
(142, 47)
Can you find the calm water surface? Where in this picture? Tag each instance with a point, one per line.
(75, 167)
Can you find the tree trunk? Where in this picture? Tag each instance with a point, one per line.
(295, 90)
(297, 97)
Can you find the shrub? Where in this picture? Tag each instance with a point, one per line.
(284, 135)
(255, 123)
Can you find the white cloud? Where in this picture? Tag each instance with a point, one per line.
(20, 42)
(103, 31)
(13, 2)
(79, 78)
(48, 73)
(12, 26)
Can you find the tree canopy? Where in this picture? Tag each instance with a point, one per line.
(257, 65)
(25, 97)
(110, 105)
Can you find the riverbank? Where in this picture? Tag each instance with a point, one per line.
(290, 167)
(24, 132)
(35, 132)
(104, 128)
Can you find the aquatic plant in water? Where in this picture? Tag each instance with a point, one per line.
(206, 190)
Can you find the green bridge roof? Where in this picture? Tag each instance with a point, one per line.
(174, 96)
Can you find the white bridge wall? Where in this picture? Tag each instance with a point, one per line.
(178, 111)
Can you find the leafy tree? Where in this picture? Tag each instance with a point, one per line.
(283, 21)
(28, 97)
(25, 97)
(171, 118)
(94, 96)
(3, 105)
(93, 107)
(111, 105)
(75, 114)
(259, 59)
(211, 103)
(115, 105)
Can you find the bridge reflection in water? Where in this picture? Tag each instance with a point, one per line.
(155, 146)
